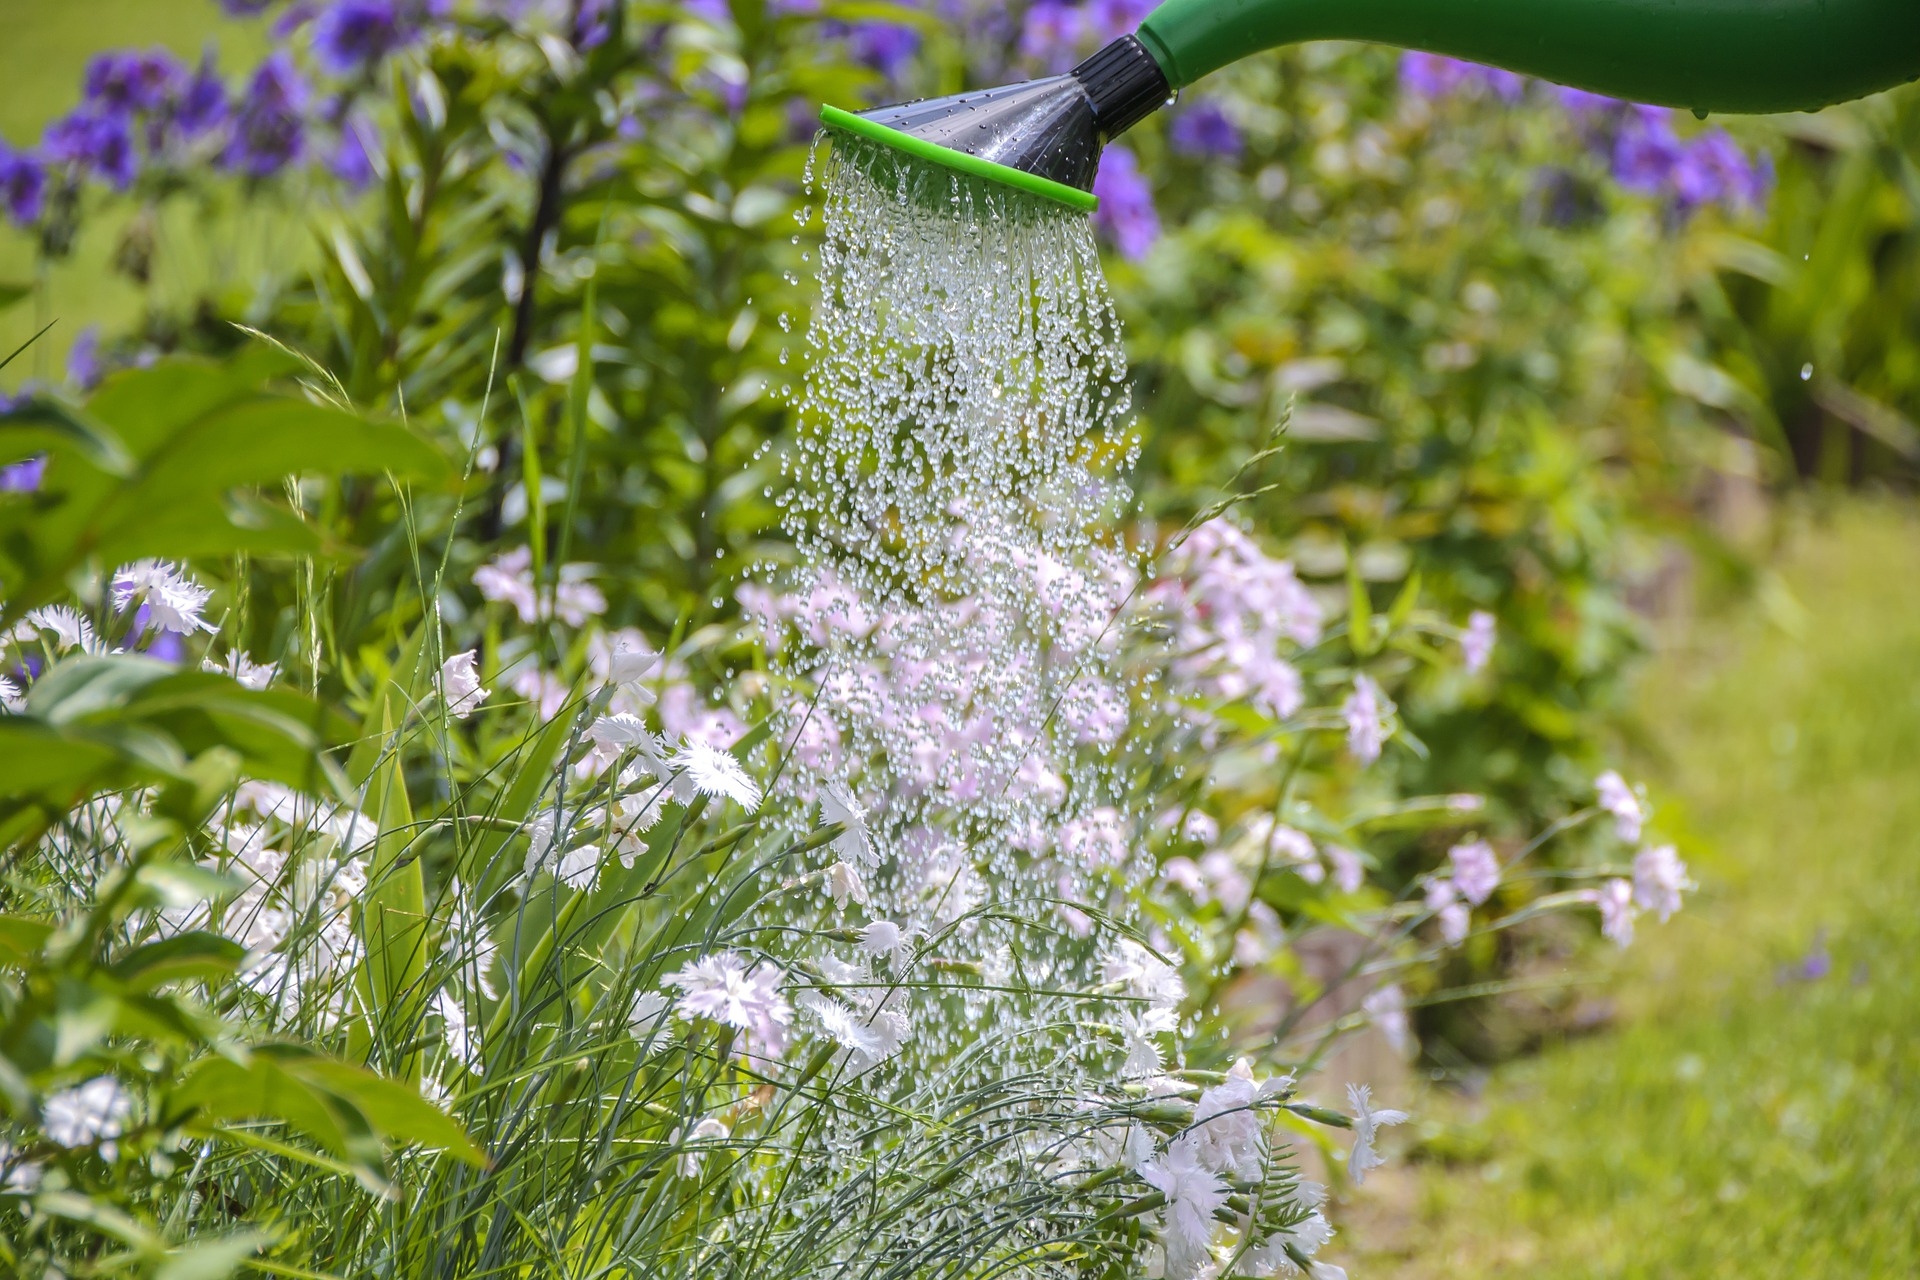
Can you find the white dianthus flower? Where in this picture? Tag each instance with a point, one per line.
(1367, 711)
(69, 627)
(460, 678)
(96, 1111)
(844, 883)
(1659, 878)
(706, 1131)
(1192, 1193)
(455, 1030)
(174, 601)
(254, 675)
(1143, 974)
(1366, 1123)
(721, 988)
(884, 938)
(1136, 1032)
(1476, 642)
(712, 771)
(1618, 799)
(853, 843)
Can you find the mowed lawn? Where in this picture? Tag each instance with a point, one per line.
(1757, 1111)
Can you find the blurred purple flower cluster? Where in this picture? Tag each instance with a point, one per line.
(146, 109)
(1644, 151)
(1126, 215)
(1058, 33)
(1431, 76)
(1709, 168)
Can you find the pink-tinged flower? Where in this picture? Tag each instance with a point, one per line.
(1454, 916)
(1349, 873)
(1615, 900)
(460, 680)
(508, 579)
(845, 885)
(1659, 878)
(1367, 1122)
(1366, 711)
(722, 989)
(1228, 1132)
(1099, 839)
(1193, 1192)
(1619, 800)
(1476, 870)
(1476, 642)
(547, 692)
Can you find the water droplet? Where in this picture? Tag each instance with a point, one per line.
(1806, 372)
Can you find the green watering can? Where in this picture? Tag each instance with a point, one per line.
(1045, 136)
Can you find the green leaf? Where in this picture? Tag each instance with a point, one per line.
(98, 721)
(1359, 610)
(397, 1110)
(164, 461)
(1403, 604)
(211, 1259)
(21, 938)
(183, 957)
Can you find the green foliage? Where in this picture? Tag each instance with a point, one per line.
(167, 462)
(1753, 1117)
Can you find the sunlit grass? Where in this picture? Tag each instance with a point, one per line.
(1755, 1114)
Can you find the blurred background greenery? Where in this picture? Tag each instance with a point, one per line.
(1604, 416)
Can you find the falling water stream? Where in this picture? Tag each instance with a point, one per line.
(955, 496)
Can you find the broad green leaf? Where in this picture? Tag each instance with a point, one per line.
(211, 1259)
(185, 956)
(397, 1110)
(21, 938)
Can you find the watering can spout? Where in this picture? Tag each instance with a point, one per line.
(1045, 135)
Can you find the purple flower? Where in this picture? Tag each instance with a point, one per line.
(593, 24)
(1645, 151)
(350, 160)
(1126, 214)
(203, 105)
(1204, 130)
(1110, 19)
(102, 144)
(1714, 168)
(885, 46)
(21, 477)
(1052, 33)
(143, 82)
(268, 132)
(1579, 102)
(23, 185)
(355, 35)
(83, 361)
(164, 645)
(246, 8)
(1431, 76)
